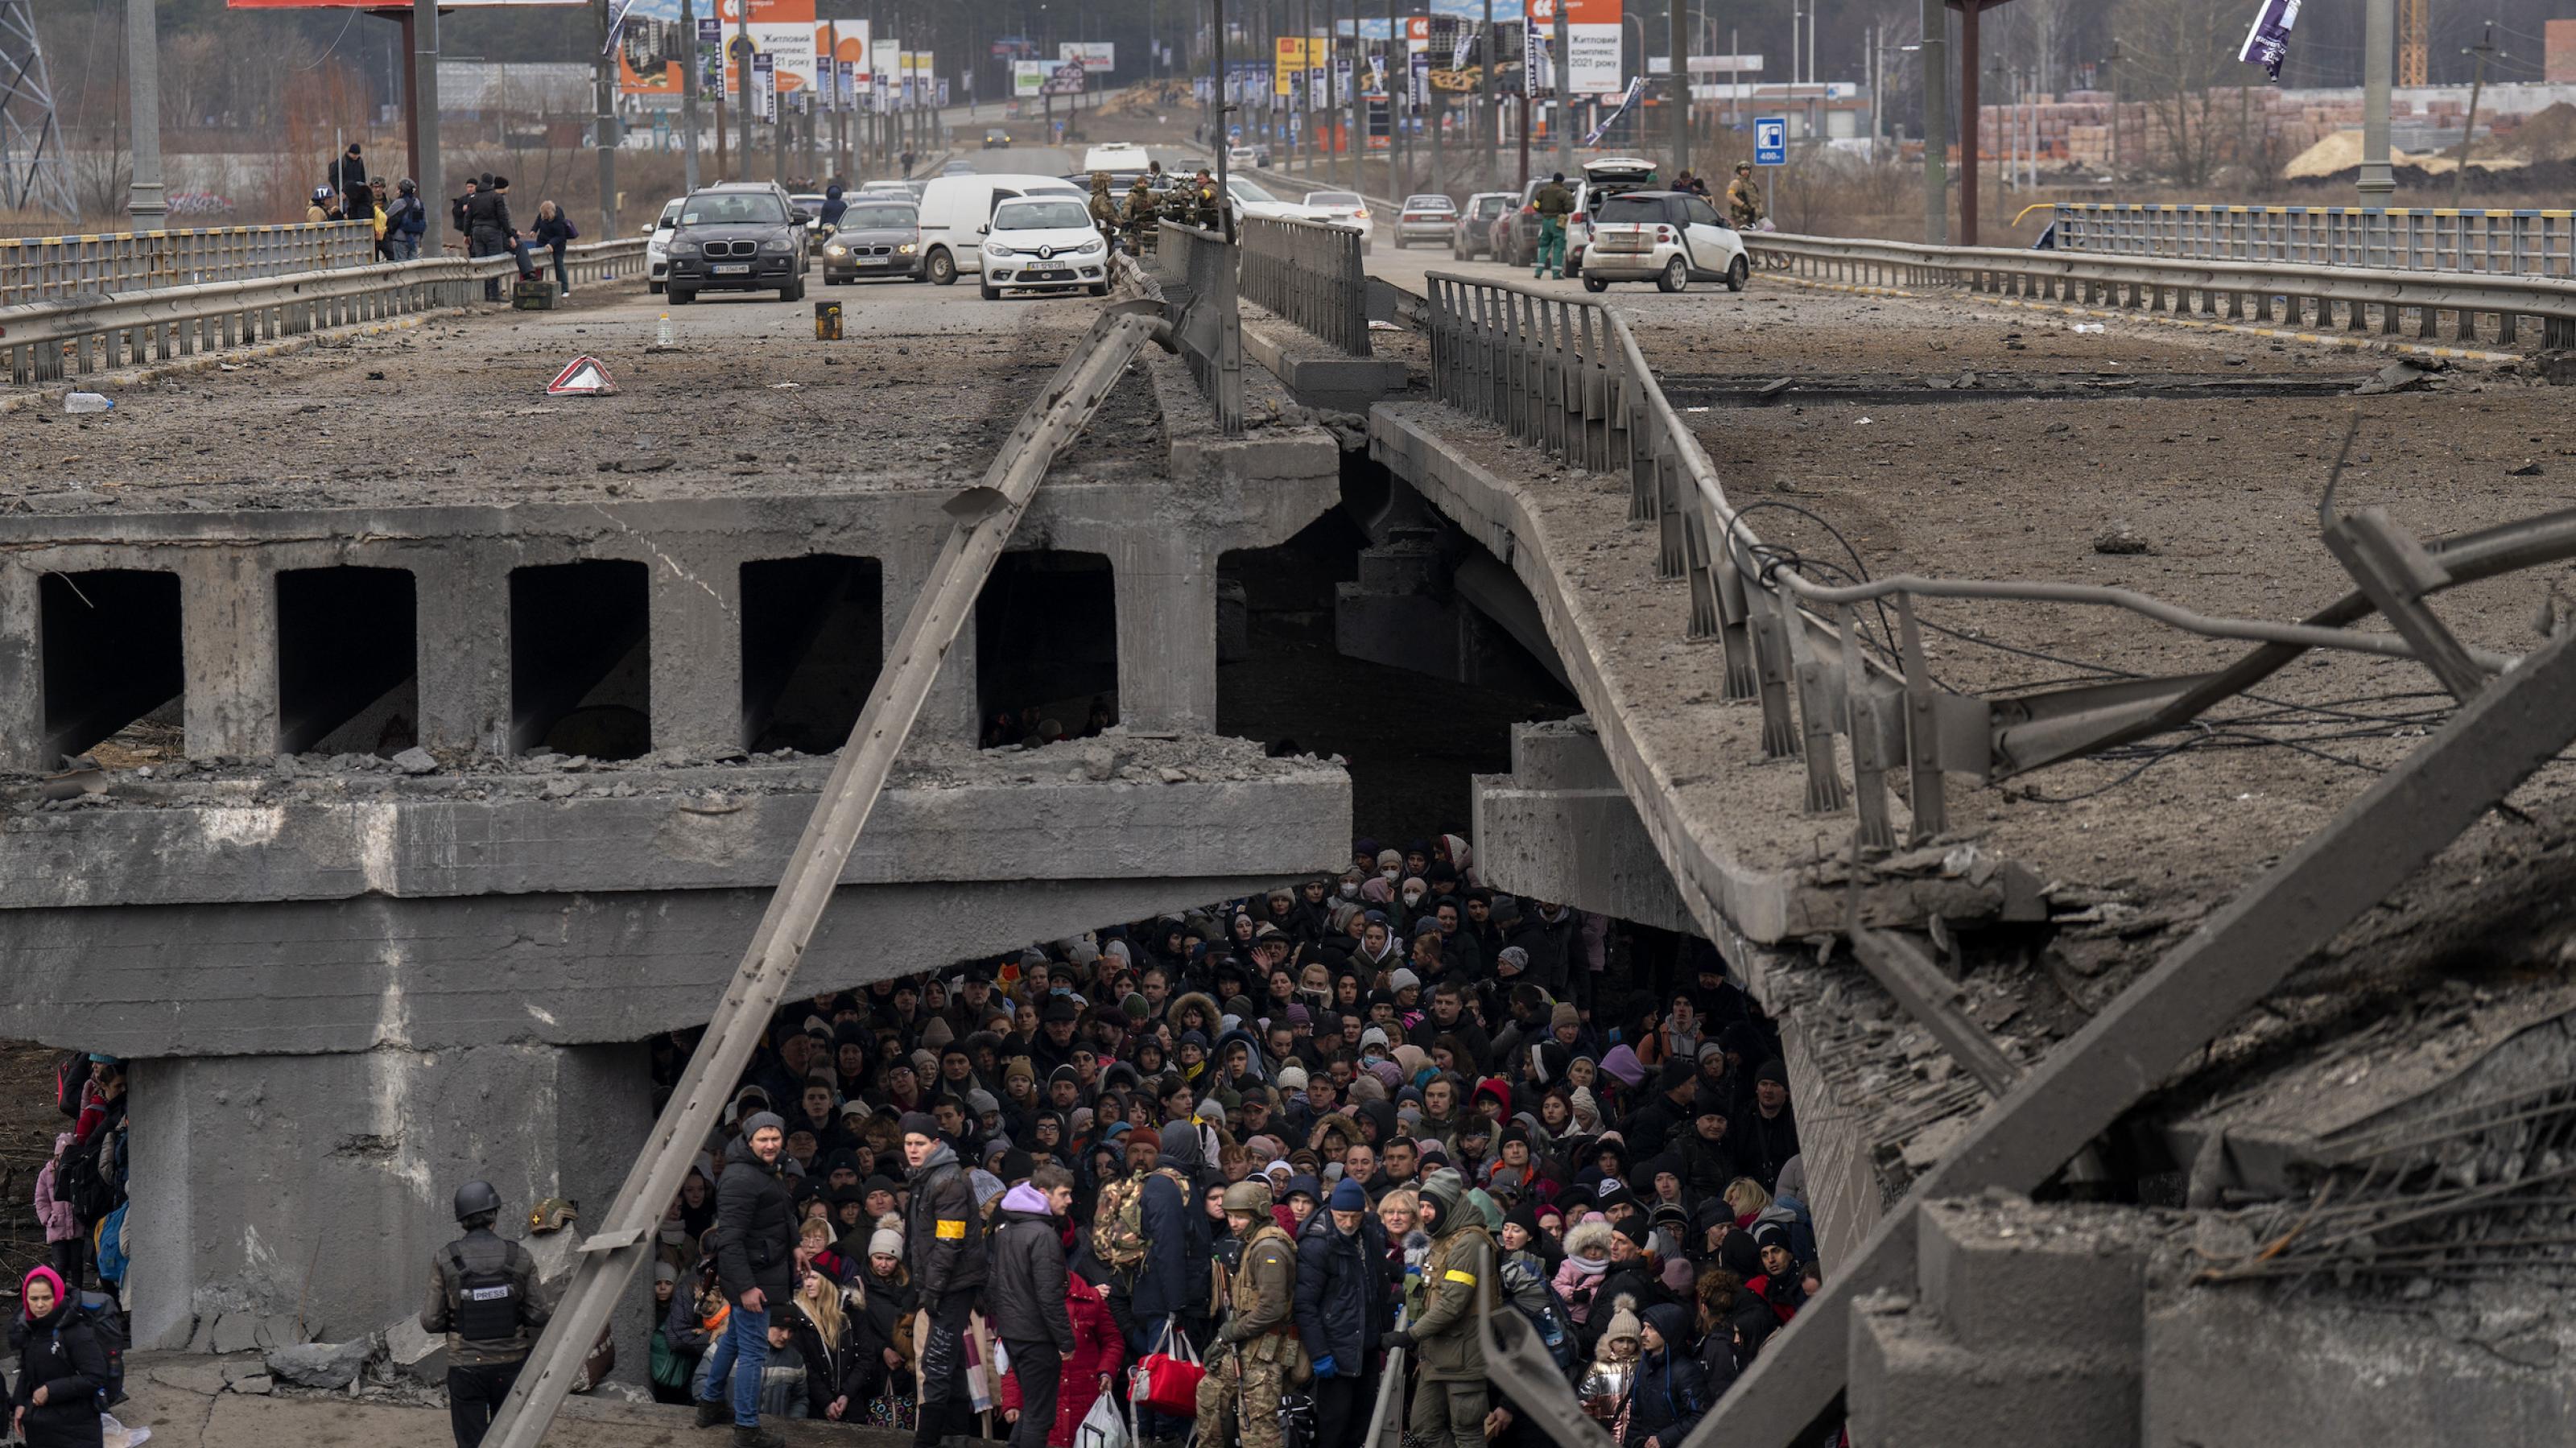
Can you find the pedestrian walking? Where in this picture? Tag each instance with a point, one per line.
(483, 1295)
(756, 1267)
(61, 1367)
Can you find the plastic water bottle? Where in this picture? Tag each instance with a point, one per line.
(662, 332)
(87, 402)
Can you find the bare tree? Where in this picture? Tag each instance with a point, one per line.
(2175, 53)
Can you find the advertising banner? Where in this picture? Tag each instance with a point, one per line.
(782, 30)
(1098, 57)
(651, 50)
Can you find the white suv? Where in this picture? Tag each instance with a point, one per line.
(1044, 243)
(1671, 238)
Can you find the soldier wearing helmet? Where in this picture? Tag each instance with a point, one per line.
(1258, 1354)
(483, 1295)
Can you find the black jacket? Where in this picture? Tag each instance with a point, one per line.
(488, 211)
(1341, 1289)
(1550, 944)
(1026, 1291)
(65, 1358)
(1665, 1399)
(1167, 1281)
(755, 1227)
(842, 1369)
(943, 1233)
(555, 232)
(353, 177)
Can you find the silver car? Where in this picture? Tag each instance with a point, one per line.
(1425, 217)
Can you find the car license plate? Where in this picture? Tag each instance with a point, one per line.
(731, 268)
(1623, 243)
(868, 260)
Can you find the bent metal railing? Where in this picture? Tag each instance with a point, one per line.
(50, 341)
(1195, 271)
(36, 268)
(1312, 275)
(2286, 293)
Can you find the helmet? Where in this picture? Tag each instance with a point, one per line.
(321, 193)
(475, 1198)
(552, 1215)
(1249, 1195)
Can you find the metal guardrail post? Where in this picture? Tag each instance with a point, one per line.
(1312, 274)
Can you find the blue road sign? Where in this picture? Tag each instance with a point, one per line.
(1770, 140)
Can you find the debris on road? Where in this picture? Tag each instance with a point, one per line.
(2120, 538)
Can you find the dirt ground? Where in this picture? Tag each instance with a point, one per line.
(28, 1125)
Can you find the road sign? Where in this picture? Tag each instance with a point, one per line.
(1770, 140)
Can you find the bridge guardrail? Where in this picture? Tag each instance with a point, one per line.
(2260, 291)
(1196, 271)
(36, 268)
(51, 340)
(1311, 274)
(2515, 243)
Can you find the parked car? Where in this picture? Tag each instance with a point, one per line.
(1471, 229)
(1248, 199)
(1671, 238)
(738, 236)
(1425, 216)
(1044, 243)
(657, 250)
(956, 212)
(1257, 157)
(1349, 208)
(1124, 156)
(878, 237)
(1603, 177)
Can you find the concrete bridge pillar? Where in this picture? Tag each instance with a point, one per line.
(273, 1187)
(22, 672)
(696, 602)
(463, 598)
(228, 648)
(1167, 627)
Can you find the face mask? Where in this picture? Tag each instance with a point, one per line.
(1350, 888)
(1393, 872)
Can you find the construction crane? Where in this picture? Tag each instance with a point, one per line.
(2414, 41)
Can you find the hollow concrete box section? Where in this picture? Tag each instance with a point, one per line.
(1560, 828)
(318, 1186)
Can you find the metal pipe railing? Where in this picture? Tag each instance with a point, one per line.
(2484, 306)
(38, 268)
(2513, 243)
(1311, 274)
(44, 342)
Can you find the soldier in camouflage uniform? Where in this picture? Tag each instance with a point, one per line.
(1450, 1402)
(1140, 217)
(1104, 212)
(1259, 1354)
(1211, 211)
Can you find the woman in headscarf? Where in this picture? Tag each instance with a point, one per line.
(61, 1366)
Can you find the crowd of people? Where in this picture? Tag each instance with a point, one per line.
(480, 217)
(1295, 1137)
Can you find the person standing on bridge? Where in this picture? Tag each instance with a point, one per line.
(1553, 203)
(1744, 199)
(488, 229)
(483, 1295)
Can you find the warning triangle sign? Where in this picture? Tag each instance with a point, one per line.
(586, 377)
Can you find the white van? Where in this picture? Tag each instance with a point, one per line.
(955, 211)
(1115, 156)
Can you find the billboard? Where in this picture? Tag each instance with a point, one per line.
(783, 31)
(1591, 43)
(1098, 57)
(651, 50)
(1029, 77)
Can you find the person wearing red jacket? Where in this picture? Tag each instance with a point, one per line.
(1098, 1353)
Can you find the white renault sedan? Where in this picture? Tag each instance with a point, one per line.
(1043, 243)
(1346, 208)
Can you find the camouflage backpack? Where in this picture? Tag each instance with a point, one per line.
(1117, 1223)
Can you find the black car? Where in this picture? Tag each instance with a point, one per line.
(743, 237)
(995, 138)
(877, 238)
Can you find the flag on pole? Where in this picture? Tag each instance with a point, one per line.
(2267, 44)
(1636, 87)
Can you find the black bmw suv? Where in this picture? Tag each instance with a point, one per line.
(739, 236)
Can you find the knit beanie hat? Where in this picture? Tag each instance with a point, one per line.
(885, 1240)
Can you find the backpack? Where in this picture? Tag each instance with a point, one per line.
(1538, 1301)
(99, 1311)
(1117, 1223)
(87, 1180)
(71, 1080)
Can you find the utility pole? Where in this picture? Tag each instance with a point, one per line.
(604, 81)
(145, 204)
(2469, 133)
(1332, 112)
(424, 124)
(740, 69)
(688, 94)
(1936, 123)
(1217, 103)
(1564, 95)
(1680, 45)
(2379, 32)
(1489, 136)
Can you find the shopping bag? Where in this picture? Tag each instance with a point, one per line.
(1167, 1379)
(1102, 1427)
